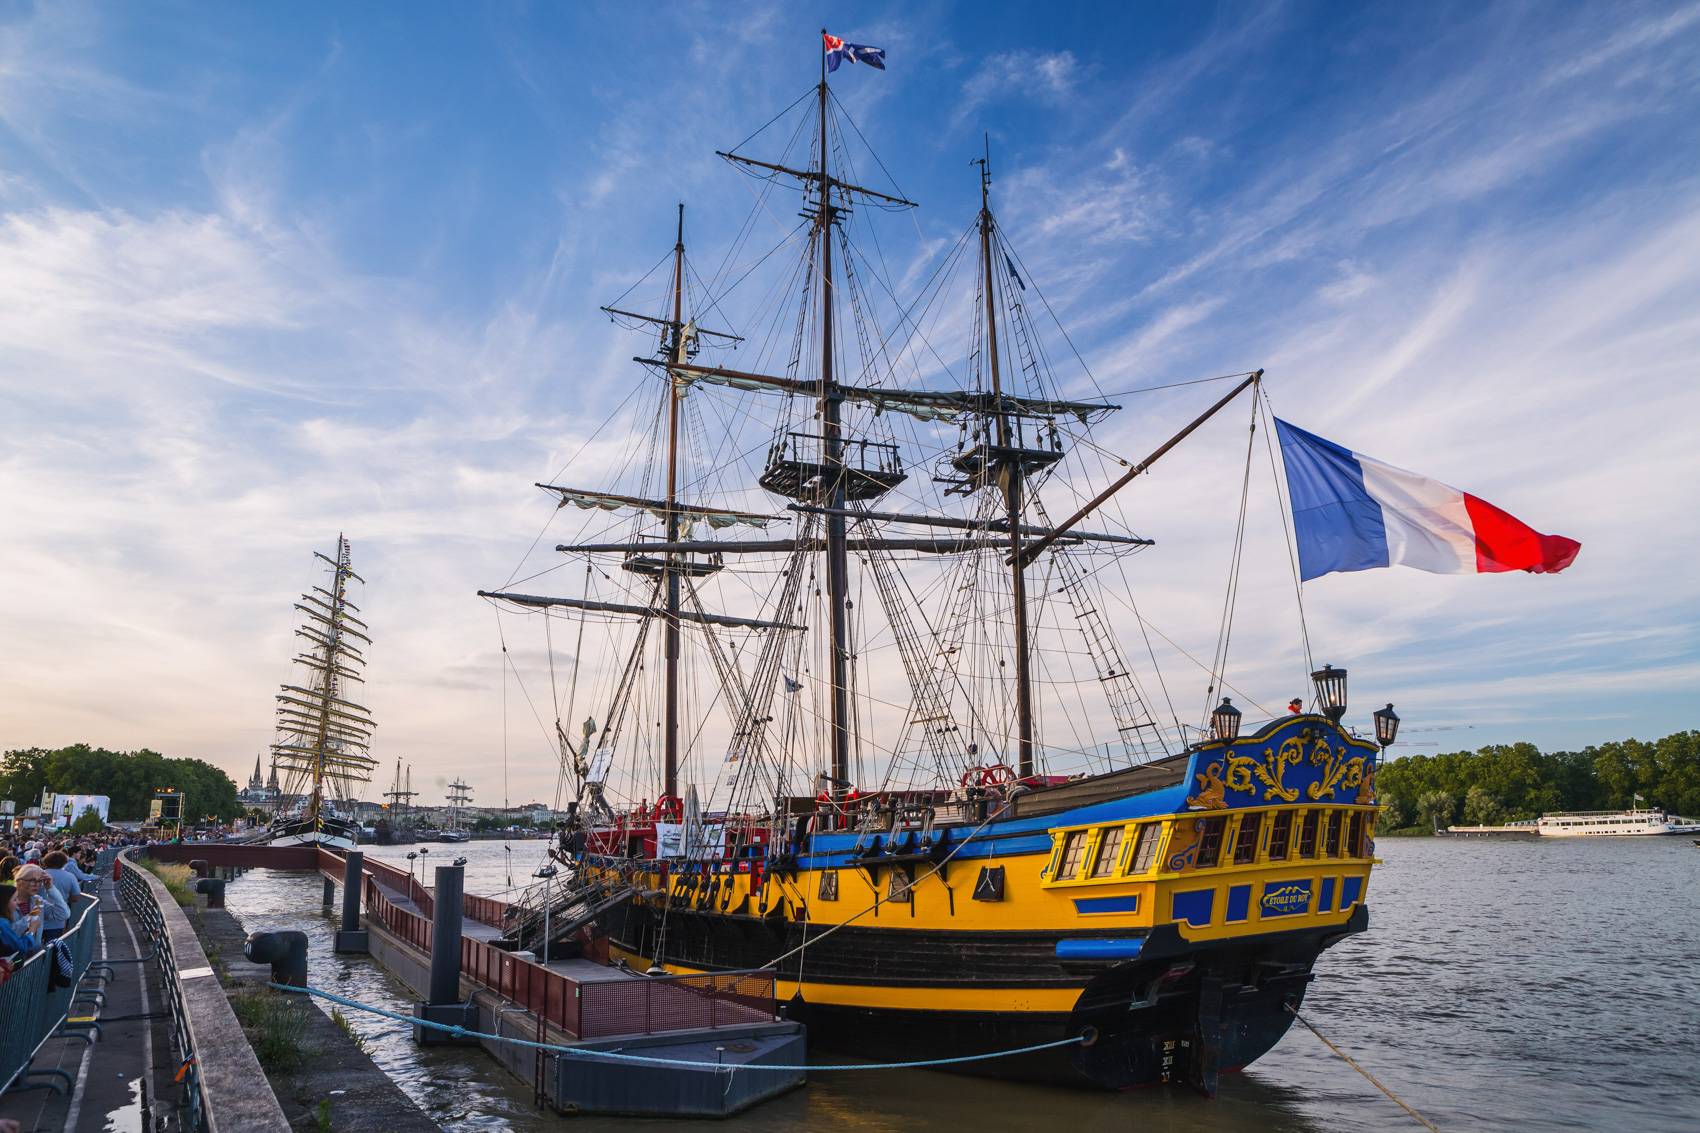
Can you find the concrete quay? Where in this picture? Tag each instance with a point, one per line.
(701, 1024)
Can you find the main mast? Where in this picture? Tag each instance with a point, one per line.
(676, 356)
(832, 459)
(328, 688)
(1010, 476)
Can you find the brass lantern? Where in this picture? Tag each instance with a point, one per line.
(1331, 691)
(1386, 726)
(1225, 720)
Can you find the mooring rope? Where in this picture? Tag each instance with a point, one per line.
(729, 1068)
(1373, 1080)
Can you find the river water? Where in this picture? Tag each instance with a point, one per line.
(1550, 984)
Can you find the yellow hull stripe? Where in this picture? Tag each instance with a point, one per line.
(901, 998)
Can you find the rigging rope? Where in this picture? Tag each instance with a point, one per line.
(1373, 1080)
(1230, 600)
(1286, 526)
(649, 1060)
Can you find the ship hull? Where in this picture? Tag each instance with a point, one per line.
(1181, 1012)
(332, 834)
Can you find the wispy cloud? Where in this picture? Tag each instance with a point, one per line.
(1045, 76)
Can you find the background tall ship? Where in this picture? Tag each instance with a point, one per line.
(323, 738)
(856, 708)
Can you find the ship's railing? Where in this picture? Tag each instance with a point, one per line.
(675, 1003)
(33, 1005)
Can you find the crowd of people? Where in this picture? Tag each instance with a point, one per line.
(41, 880)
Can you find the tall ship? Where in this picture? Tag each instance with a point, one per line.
(847, 604)
(396, 828)
(459, 798)
(323, 740)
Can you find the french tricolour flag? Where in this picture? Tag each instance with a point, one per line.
(1351, 512)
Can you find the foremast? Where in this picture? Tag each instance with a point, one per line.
(322, 736)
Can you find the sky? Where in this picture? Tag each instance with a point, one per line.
(270, 273)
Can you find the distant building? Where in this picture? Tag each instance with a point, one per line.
(258, 795)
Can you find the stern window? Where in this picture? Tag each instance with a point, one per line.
(1109, 849)
(1210, 845)
(1307, 834)
(1335, 821)
(1245, 846)
(1280, 835)
(1074, 845)
(1355, 836)
(1145, 846)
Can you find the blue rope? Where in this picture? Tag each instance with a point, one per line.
(585, 1052)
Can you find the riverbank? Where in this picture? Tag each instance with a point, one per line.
(321, 1071)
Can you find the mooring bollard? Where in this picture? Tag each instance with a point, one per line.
(199, 866)
(445, 1004)
(351, 937)
(213, 887)
(286, 952)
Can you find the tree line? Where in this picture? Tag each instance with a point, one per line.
(1507, 782)
(128, 778)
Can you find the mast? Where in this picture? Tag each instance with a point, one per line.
(670, 719)
(1010, 475)
(832, 459)
(328, 687)
(322, 734)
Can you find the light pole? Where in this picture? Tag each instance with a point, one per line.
(547, 873)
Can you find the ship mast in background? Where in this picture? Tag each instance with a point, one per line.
(323, 738)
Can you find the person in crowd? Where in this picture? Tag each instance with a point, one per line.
(55, 911)
(82, 868)
(9, 868)
(57, 864)
(15, 926)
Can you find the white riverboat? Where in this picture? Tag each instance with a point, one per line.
(1614, 824)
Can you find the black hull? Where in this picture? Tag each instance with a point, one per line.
(1182, 1012)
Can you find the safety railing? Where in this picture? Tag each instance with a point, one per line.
(544, 993)
(219, 1091)
(675, 1003)
(138, 898)
(35, 1003)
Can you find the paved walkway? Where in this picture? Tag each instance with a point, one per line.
(128, 1070)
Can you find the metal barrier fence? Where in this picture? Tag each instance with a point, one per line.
(104, 859)
(138, 898)
(33, 1010)
(675, 1003)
